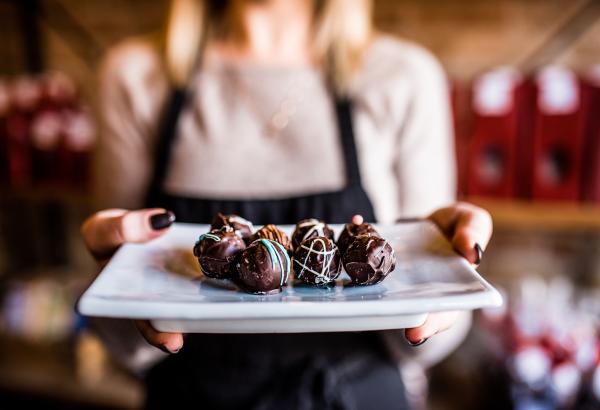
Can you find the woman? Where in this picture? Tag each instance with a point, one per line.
(275, 110)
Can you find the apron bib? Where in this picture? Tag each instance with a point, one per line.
(273, 371)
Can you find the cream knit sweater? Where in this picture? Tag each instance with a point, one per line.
(402, 125)
(401, 116)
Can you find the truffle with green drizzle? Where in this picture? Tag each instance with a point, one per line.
(263, 267)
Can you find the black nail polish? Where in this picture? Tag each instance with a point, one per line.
(479, 254)
(419, 343)
(162, 221)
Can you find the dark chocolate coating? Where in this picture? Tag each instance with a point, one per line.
(273, 233)
(216, 251)
(263, 267)
(242, 227)
(369, 259)
(310, 228)
(351, 231)
(317, 261)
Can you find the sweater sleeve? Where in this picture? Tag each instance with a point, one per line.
(425, 157)
(130, 94)
(125, 344)
(426, 169)
(131, 90)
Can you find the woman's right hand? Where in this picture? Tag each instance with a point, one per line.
(105, 231)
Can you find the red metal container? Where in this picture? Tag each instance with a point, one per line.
(558, 136)
(590, 181)
(494, 134)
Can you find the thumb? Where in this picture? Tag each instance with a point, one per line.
(105, 231)
(471, 235)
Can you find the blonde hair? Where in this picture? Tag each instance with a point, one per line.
(341, 33)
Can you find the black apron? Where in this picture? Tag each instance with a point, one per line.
(273, 371)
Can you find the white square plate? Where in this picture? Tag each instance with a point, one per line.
(161, 281)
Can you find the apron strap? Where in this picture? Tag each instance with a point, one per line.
(343, 108)
(164, 145)
(168, 132)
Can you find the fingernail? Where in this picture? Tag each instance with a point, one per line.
(167, 350)
(479, 254)
(162, 221)
(415, 344)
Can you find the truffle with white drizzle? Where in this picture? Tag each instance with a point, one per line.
(263, 267)
(241, 226)
(369, 259)
(309, 228)
(216, 251)
(317, 261)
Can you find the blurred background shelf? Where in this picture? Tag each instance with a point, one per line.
(48, 374)
(544, 216)
(59, 194)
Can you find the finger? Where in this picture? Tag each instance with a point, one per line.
(472, 234)
(105, 231)
(167, 342)
(467, 227)
(435, 323)
(357, 219)
(446, 218)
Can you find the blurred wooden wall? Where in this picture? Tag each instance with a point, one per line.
(470, 36)
(467, 35)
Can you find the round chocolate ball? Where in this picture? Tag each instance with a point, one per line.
(353, 230)
(263, 267)
(241, 226)
(317, 261)
(216, 251)
(369, 259)
(309, 228)
(273, 233)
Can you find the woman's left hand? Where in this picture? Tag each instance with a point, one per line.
(469, 229)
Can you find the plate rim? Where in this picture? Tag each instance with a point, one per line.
(88, 303)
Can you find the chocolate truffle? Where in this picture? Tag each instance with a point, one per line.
(272, 233)
(216, 251)
(369, 259)
(241, 226)
(309, 228)
(263, 267)
(317, 261)
(353, 230)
